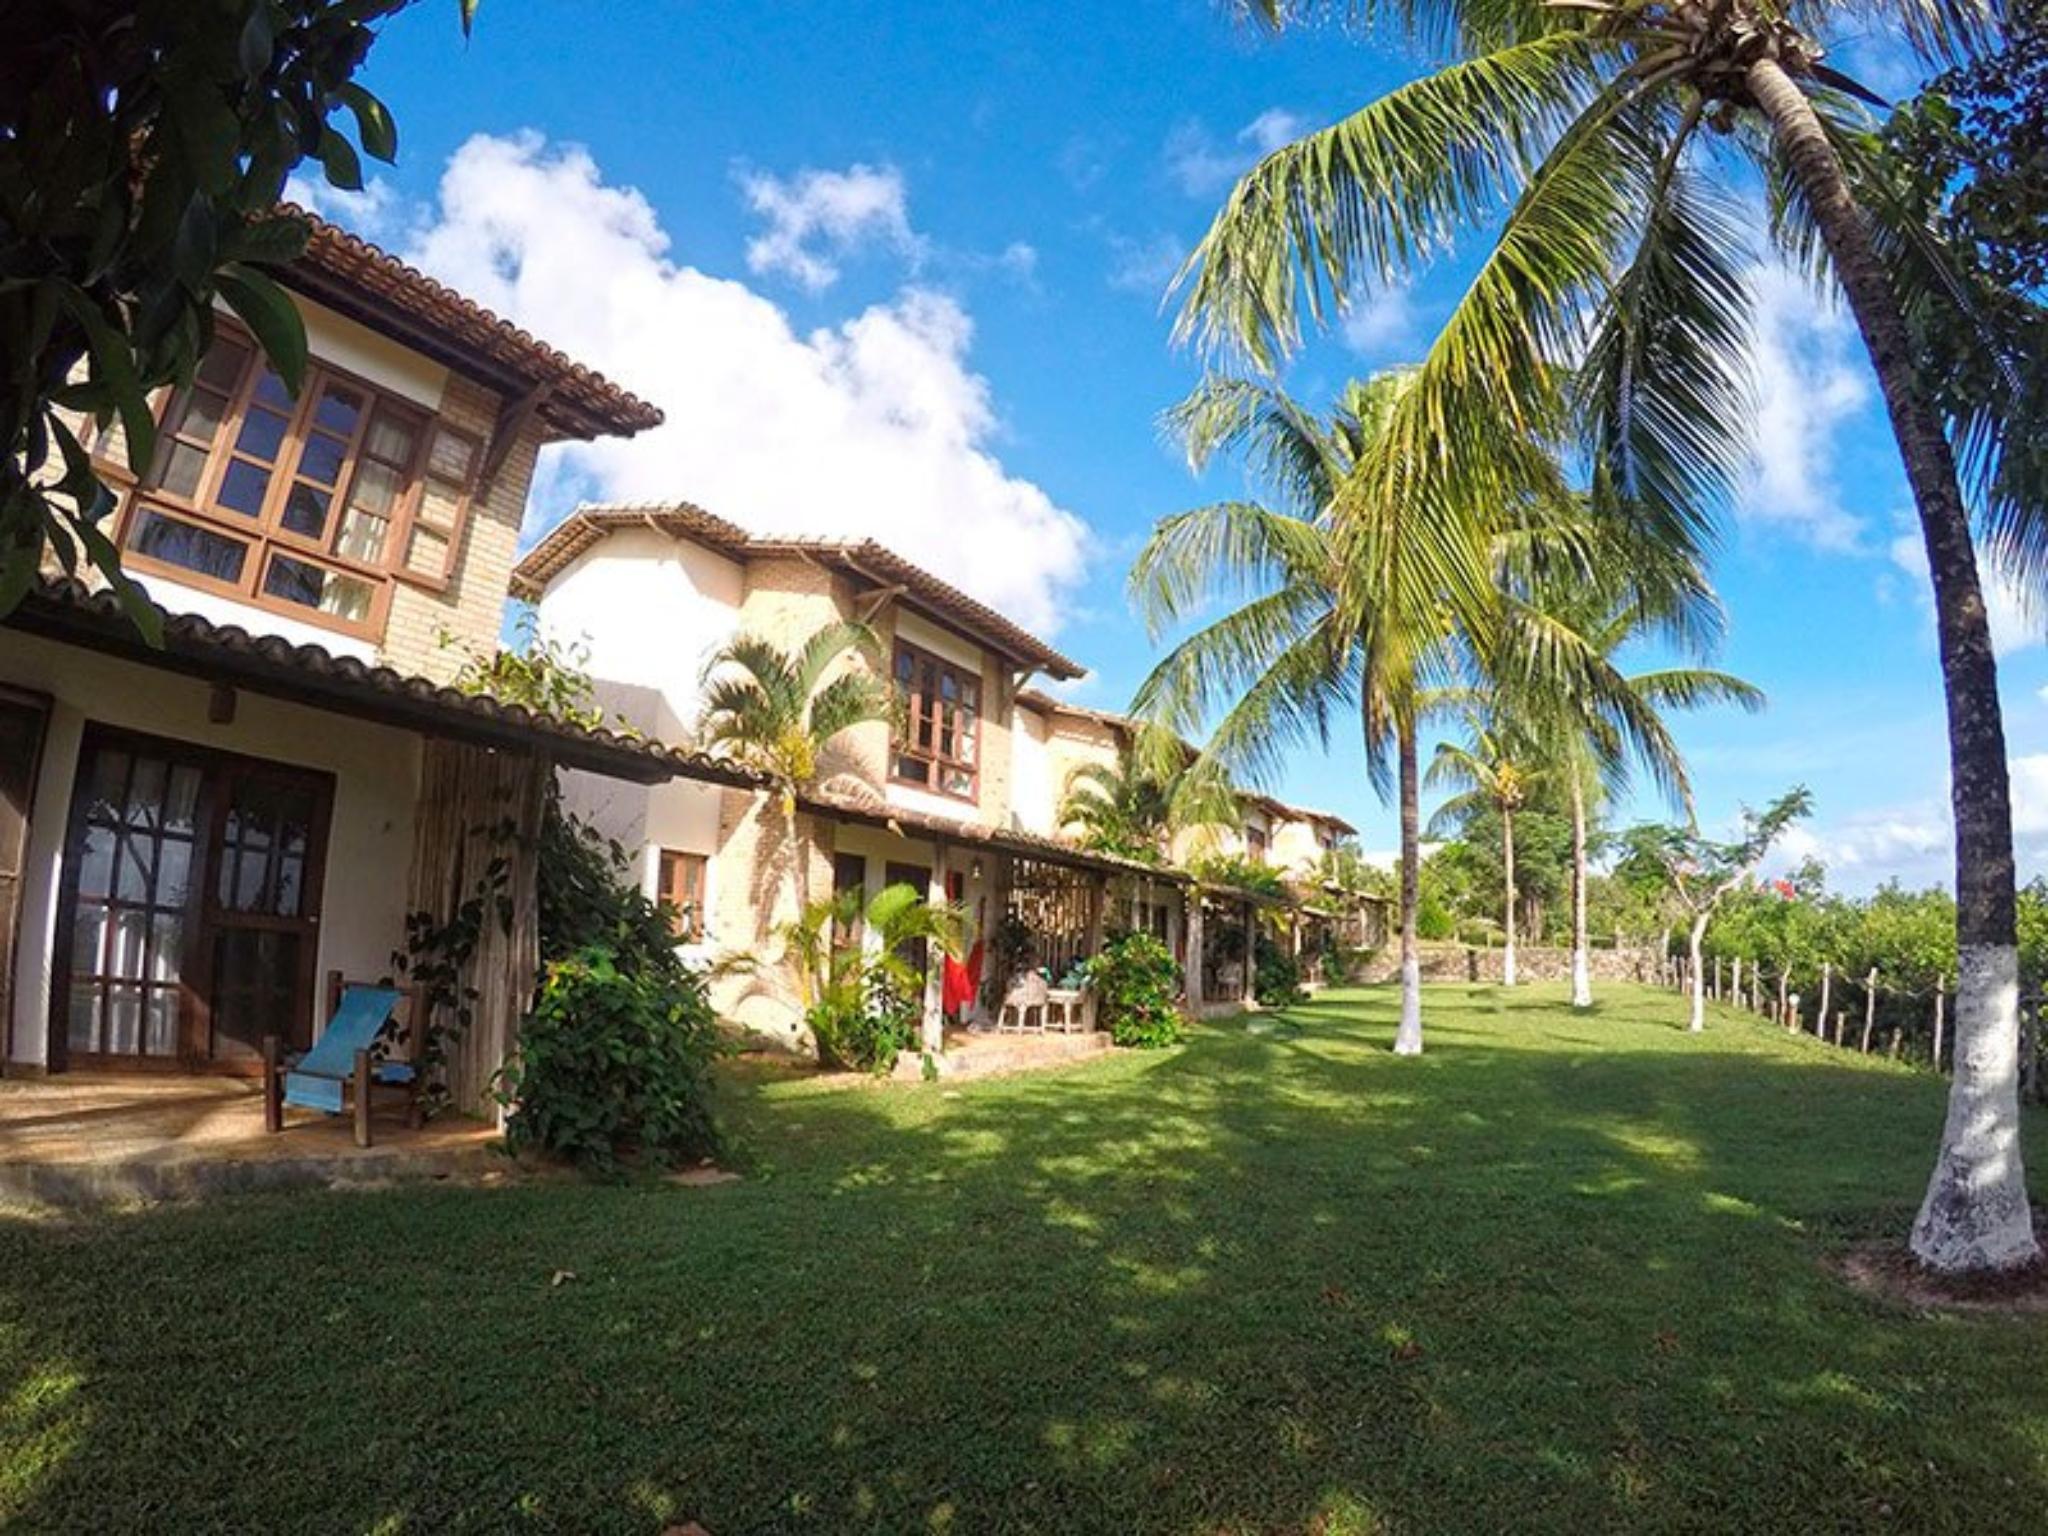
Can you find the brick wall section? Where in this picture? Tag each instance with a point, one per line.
(472, 610)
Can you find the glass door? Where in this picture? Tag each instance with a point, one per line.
(134, 844)
(190, 918)
(21, 744)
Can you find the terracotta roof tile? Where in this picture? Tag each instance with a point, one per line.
(588, 525)
(875, 811)
(347, 273)
(66, 610)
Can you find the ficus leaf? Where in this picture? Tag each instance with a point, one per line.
(264, 308)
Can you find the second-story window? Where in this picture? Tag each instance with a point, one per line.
(939, 741)
(310, 507)
(1255, 843)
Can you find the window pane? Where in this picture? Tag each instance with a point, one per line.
(222, 365)
(374, 489)
(184, 796)
(262, 434)
(124, 955)
(183, 470)
(392, 438)
(96, 863)
(132, 868)
(305, 510)
(270, 389)
(166, 946)
(146, 792)
(916, 769)
(202, 415)
(338, 409)
(439, 505)
(193, 549)
(88, 930)
(321, 458)
(173, 871)
(243, 488)
(82, 1026)
(160, 1022)
(124, 1020)
(297, 581)
(362, 537)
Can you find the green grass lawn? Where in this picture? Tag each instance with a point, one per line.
(1563, 1273)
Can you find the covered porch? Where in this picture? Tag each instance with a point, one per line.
(1037, 910)
(194, 838)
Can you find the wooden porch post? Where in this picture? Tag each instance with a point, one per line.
(933, 1032)
(1192, 925)
(1251, 945)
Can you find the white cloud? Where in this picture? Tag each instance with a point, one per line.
(875, 426)
(1381, 321)
(1144, 266)
(2016, 620)
(1202, 167)
(1912, 842)
(374, 213)
(816, 217)
(1811, 379)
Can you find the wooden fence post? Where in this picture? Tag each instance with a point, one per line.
(1869, 1007)
(1827, 981)
(1792, 1014)
(1841, 1018)
(1735, 991)
(1940, 1003)
(1790, 1021)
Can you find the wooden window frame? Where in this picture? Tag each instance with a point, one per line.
(915, 703)
(688, 923)
(204, 917)
(264, 537)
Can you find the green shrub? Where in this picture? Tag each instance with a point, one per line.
(1276, 978)
(864, 1028)
(613, 1063)
(1136, 982)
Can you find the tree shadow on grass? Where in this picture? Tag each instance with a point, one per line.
(1258, 1284)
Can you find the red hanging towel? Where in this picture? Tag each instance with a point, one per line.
(958, 983)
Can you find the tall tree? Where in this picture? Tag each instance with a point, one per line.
(1134, 807)
(1592, 721)
(776, 711)
(1493, 769)
(1701, 872)
(1330, 619)
(1620, 255)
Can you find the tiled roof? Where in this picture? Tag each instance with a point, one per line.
(349, 274)
(864, 558)
(876, 812)
(65, 610)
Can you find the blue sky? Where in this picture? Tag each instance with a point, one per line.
(897, 269)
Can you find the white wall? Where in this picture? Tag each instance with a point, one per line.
(354, 348)
(1033, 796)
(369, 844)
(650, 609)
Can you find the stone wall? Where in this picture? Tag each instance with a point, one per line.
(1533, 962)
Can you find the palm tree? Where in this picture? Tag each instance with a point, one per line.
(1133, 808)
(1620, 256)
(776, 711)
(1494, 770)
(1333, 615)
(1594, 746)
(843, 983)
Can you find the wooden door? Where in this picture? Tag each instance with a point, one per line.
(190, 912)
(22, 719)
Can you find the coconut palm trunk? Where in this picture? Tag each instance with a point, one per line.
(1696, 965)
(1975, 1215)
(1507, 865)
(1582, 964)
(1408, 1037)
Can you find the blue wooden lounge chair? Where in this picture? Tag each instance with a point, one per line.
(340, 1071)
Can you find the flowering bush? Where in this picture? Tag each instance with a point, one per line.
(1136, 983)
